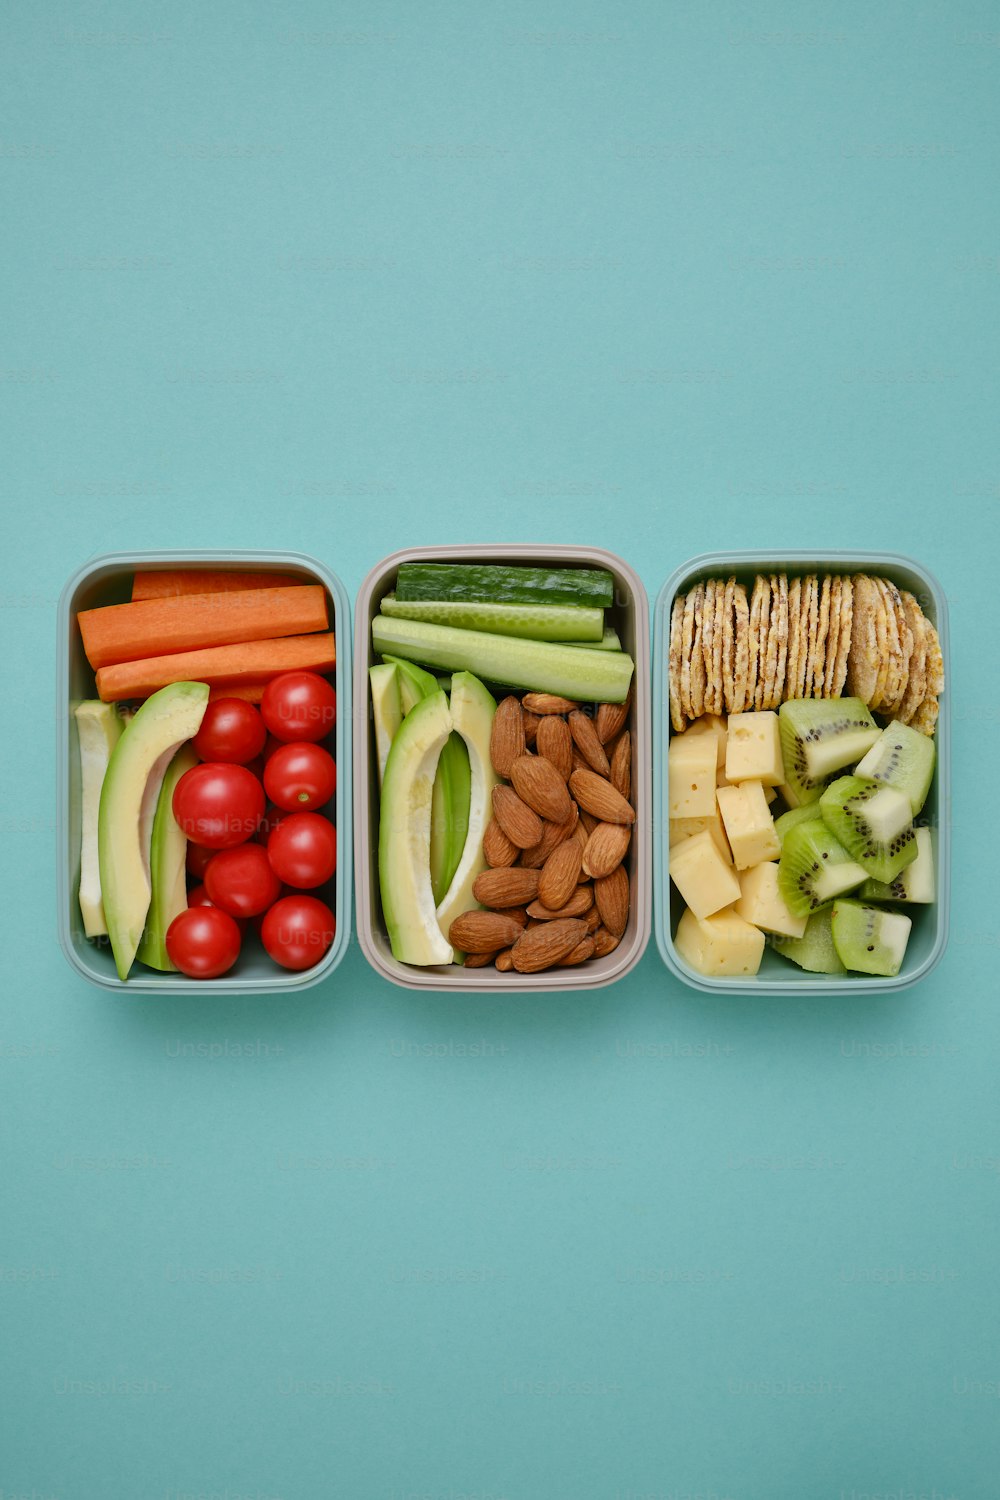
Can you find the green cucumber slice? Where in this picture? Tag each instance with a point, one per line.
(498, 583)
(536, 622)
(540, 666)
(610, 641)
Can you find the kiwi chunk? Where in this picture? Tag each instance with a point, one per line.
(814, 950)
(868, 939)
(873, 822)
(806, 814)
(814, 868)
(914, 885)
(819, 737)
(903, 758)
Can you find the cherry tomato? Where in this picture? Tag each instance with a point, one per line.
(297, 931)
(197, 859)
(203, 942)
(198, 896)
(300, 777)
(299, 706)
(231, 731)
(269, 822)
(218, 804)
(303, 850)
(241, 882)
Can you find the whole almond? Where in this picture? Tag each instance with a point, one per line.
(517, 914)
(497, 847)
(559, 874)
(593, 920)
(611, 895)
(612, 718)
(621, 766)
(578, 904)
(503, 961)
(483, 932)
(605, 942)
(506, 887)
(522, 826)
(553, 835)
(600, 798)
(506, 736)
(578, 955)
(531, 722)
(548, 703)
(478, 960)
(555, 742)
(586, 741)
(538, 783)
(606, 848)
(542, 946)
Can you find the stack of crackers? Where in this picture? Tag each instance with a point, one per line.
(811, 637)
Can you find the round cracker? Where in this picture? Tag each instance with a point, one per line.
(904, 636)
(712, 685)
(916, 680)
(935, 661)
(760, 601)
(863, 660)
(677, 718)
(808, 622)
(926, 717)
(844, 643)
(728, 646)
(697, 678)
(777, 642)
(882, 643)
(719, 696)
(687, 636)
(817, 646)
(792, 663)
(893, 689)
(833, 636)
(741, 672)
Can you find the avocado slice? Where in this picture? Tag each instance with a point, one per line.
(387, 710)
(414, 682)
(128, 803)
(167, 853)
(472, 710)
(405, 834)
(98, 730)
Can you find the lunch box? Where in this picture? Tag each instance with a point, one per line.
(630, 617)
(777, 975)
(108, 580)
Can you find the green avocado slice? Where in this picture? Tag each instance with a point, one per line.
(98, 729)
(167, 855)
(472, 711)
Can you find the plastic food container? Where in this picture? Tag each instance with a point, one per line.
(630, 618)
(929, 935)
(108, 580)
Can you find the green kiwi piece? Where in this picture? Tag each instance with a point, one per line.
(869, 939)
(814, 868)
(915, 884)
(903, 758)
(814, 950)
(819, 737)
(873, 822)
(806, 814)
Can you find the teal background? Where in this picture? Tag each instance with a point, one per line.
(657, 277)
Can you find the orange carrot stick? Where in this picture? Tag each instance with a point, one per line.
(248, 662)
(130, 632)
(250, 692)
(166, 583)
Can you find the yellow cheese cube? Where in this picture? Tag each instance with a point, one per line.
(683, 828)
(753, 749)
(720, 945)
(691, 762)
(702, 876)
(712, 724)
(748, 824)
(763, 904)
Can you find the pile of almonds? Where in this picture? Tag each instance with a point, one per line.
(557, 890)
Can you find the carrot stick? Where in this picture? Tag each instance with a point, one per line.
(249, 662)
(166, 583)
(129, 632)
(250, 692)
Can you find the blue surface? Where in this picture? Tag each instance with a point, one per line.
(663, 278)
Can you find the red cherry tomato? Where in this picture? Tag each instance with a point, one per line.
(303, 850)
(218, 804)
(241, 882)
(297, 931)
(198, 896)
(300, 777)
(299, 706)
(203, 942)
(231, 731)
(197, 859)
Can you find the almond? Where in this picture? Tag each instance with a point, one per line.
(579, 763)
(538, 783)
(555, 742)
(621, 766)
(504, 962)
(553, 835)
(612, 718)
(611, 895)
(506, 887)
(548, 703)
(606, 848)
(522, 826)
(506, 736)
(605, 942)
(541, 947)
(587, 823)
(483, 932)
(579, 954)
(593, 920)
(600, 798)
(497, 847)
(586, 741)
(559, 874)
(478, 960)
(579, 902)
(531, 722)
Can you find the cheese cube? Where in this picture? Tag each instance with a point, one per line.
(753, 749)
(721, 945)
(763, 904)
(683, 828)
(748, 824)
(691, 762)
(712, 724)
(702, 876)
